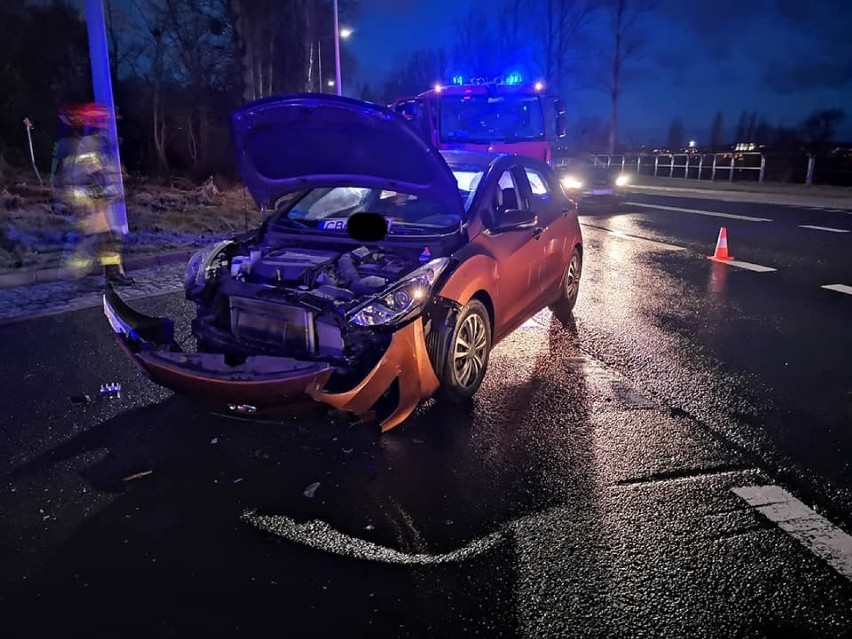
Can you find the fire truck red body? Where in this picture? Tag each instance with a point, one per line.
(502, 116)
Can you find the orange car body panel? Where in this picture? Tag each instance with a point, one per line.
(405, 358)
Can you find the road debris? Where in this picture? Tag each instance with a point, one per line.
(111, 390)
(215, 440)
(137, 475)
(311, 490)
(81, 400)
(238, 480)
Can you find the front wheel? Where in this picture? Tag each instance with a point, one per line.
(570, 288)
(467, 359)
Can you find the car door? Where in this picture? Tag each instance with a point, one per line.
(554, 238)
(516, 253)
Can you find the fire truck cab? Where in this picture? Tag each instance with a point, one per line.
(502, 116)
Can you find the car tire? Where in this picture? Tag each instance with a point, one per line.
(570, 286)
(464, 368)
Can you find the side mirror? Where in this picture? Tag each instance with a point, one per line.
(515, 220)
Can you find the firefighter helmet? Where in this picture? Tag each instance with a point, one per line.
(91, 115)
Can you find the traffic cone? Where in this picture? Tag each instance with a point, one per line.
(721, 247)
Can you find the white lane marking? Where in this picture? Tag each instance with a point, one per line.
(822, 228)
(626, 236)
(813, 531)
(700, 212)
(746, 265)
(840, 288)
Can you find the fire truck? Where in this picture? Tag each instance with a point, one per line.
(504, 115)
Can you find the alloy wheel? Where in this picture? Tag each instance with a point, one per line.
(469, 352)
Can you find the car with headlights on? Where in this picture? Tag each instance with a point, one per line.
(473, 245)
(591, 182)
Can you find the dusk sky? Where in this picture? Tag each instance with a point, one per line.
(784, 58)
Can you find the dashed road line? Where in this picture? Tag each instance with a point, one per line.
(663, 245)
(840, 288)
(813, 531)
(823, 228)
(746, 265)
(745, 218)
(627, 236)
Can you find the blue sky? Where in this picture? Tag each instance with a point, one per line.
(784, 58)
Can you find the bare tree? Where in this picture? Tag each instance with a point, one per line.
(421, 69)
(717, 133)
(624, 19)
(675, 135)
(742, 127)
(565, 24)
(820, 127)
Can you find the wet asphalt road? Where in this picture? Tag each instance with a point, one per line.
(587, 491)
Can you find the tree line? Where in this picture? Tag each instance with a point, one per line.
(814, 134)
(179, 68)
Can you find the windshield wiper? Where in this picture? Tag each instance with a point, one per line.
(418, 228)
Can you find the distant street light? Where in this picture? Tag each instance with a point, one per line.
(345, 33)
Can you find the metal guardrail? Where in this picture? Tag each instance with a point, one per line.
(729, 165)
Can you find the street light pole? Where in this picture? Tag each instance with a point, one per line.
(337, 81)
(319, 57)
(102, 80)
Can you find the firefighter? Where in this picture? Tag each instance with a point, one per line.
(83, 177)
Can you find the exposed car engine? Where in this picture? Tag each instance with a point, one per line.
(293, 300)
(328, 277)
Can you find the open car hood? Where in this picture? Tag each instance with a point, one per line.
(294, 142)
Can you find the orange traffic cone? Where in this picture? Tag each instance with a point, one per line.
(721, 247)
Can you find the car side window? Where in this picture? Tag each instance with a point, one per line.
(506, 196)
(539, 185)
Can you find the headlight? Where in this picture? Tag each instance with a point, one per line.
(621, 180)
(571, 182)
(202, 266)
(403, 299)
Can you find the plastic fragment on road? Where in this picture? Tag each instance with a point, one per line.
(215, 440)
(111, 390)
(81, 399)
(137, 475)
(311, 490)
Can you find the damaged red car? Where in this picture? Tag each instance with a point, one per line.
(474, 245)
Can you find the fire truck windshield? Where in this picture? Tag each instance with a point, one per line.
(483, 119)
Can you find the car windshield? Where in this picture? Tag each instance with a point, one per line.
(328, 209)
(468, 178)
(484, 119)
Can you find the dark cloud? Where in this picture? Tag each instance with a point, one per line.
(805, 75)
(797, 45)
(821, 56)
(390, 6)
(719, 26)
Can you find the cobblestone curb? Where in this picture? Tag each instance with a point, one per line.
(41, 276)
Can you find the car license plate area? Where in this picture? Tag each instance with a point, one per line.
(274, 324)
